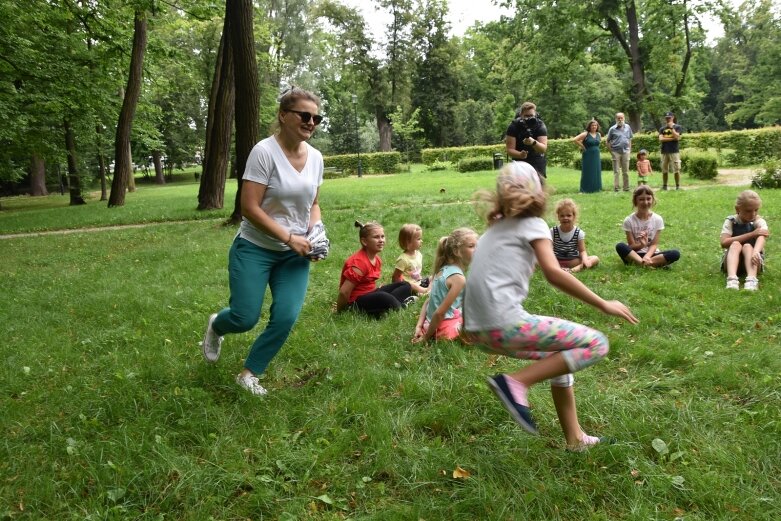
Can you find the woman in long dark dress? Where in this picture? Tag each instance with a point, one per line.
(591, 169)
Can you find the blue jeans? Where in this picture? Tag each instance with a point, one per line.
(252, 268)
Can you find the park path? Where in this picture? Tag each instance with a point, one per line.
(91, 229)
(726, 177)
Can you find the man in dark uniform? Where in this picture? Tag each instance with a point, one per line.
(526, 138)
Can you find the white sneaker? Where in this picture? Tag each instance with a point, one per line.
(210, 347)
(751, 284)
(733, 283)
(251, 384)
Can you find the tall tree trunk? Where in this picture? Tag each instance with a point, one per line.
(385, 130)
(239, 12)
(131, 179)
(122, 168)
(101, 162)
(74, 184)
(38, 176)
(159, 177)
(219, 126)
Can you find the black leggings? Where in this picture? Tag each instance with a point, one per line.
(670, 256)
(384, 299)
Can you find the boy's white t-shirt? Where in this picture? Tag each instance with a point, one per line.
(653, 225)
(289, 193)
(498, 280)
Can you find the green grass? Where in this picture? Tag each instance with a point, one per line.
(108, 411)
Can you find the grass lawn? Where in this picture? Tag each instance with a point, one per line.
(109, 412)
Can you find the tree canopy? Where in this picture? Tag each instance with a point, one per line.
(69, 61)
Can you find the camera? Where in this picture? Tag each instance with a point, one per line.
(527, 126)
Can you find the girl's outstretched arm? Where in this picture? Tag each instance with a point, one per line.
(570, 285)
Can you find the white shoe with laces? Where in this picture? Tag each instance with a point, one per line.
(733, 283)
(210, 347)
(250, 383)
(751, 284)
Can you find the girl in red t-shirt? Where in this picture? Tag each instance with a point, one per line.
(358, 283)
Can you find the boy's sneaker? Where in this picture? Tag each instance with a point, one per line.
(733, 283)
(520, 413)
(751, 284)
(210, 347)
(250, 383)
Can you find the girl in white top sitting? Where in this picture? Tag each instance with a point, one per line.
(643, 229)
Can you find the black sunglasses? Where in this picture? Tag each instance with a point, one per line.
(306, 116)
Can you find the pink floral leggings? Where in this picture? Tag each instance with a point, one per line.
(537, 337)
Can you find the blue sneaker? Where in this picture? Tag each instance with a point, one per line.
(520, 413)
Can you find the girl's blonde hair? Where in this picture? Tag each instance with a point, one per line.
(747, 196)
(518, 193)
(288, 99)
(567, 204)
(449, 247)
(407, 234)
(366, 229)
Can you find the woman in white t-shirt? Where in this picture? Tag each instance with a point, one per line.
(279, 206)
(495, 320)
(643, 229)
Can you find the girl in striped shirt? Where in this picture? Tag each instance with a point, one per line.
(569, 241)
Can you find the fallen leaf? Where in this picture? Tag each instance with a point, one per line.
(623, 370)
(460, 473)
(635, 473)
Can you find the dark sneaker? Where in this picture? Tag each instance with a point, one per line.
(520, 413)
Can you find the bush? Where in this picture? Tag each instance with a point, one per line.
(769, 176)
(456, 154)
(440, 165)
(701, 165)
(475, 164)
(374, 163)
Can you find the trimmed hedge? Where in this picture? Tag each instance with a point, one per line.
(476, 164)
(373, 163)
(740, 147)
